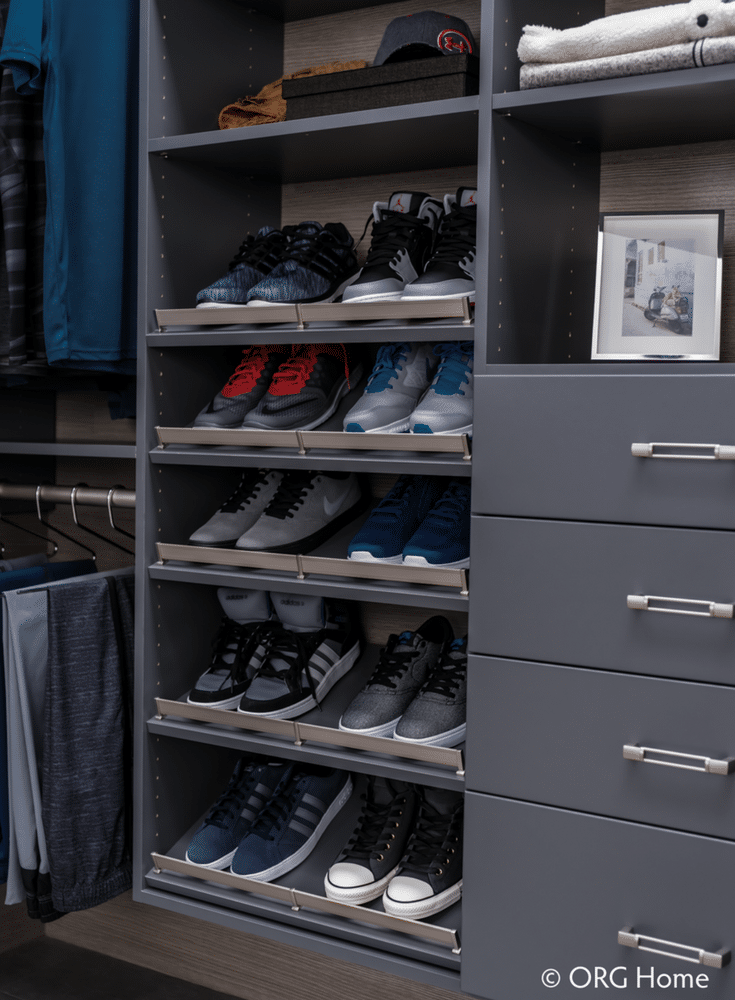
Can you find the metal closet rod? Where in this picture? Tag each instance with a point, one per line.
(90, 496)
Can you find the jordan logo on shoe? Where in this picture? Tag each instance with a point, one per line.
(398, 207)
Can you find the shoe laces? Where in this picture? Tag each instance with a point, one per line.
(226, 809)
(393, 664)
(294, 373)
(454, 367)
(271, 818)
(433, 841)
(321, 250)
(295, 648)
(246, 490)
(453, 503)
(246, 375)
(450, 672)
(395, 232)
(386, 366)
(290, 494)
(255, 250)
(369, 838)
(397, 498)
(457, 236)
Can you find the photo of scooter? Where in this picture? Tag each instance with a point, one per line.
(670, 309)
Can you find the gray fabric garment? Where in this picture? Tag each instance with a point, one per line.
(707, 52)
(87, 751)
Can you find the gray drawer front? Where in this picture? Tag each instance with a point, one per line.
(556, 591)
(551, 889)
(559, 446)
(555, 735)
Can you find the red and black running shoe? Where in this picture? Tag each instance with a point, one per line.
(245, 388)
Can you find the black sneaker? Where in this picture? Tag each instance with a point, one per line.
(256, 258)
(236, 649)
(372, 855)
(245, 387)
(307, 388)
(313, 645)
(316, 266)
(430, 876)
(239, 512)
(437, 716)
(450, 273)
(403, 234)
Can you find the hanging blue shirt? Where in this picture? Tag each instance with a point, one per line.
(83, 55)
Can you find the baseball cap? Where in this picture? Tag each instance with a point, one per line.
(416, 36)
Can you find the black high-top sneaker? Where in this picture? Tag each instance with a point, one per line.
(236, 649)
(245, 387)
(256, 258)
(450, 272)
(313, 644)
(403, 235)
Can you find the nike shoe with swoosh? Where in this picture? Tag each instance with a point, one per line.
(307, 509)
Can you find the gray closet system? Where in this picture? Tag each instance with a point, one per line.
(576, 849)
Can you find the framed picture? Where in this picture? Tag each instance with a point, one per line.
(659, 284)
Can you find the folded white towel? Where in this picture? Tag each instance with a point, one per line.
(630, 31)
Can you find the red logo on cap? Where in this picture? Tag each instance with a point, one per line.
(452, 41)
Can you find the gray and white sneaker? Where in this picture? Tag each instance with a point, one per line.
(312, 644)
(307, 509)
(446, 406)
(403, 235)
(402, 669)
(401, 375)
(237, 651)
(240, 511)
(450, 273)
(437, 716)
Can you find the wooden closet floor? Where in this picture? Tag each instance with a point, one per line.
(53, 970)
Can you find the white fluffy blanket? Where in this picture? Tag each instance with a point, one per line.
(633, 31)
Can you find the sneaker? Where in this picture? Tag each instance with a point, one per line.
(238, 513)
(372, 855)
(231, 817)
(401, 375)
(308, 508)
(403, 667)
(446, 407)
(311, 646)
(256, 258)
(430, 876)
(443, 537)
(289, 828)
(307, 388)
(450, 273)
(245, 387)
(316, 266)
(403, 234)
(437, 716)
(236, 649)
(395, 519)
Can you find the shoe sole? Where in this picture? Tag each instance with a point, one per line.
(329, 297)
(328, 681)
(295, 859)
(375, 297)
(368, 557)
(422, 561)
(448, 739)
(227, 703)
(420, 908)
(386, 729)
(217, 865)
(430, 298)
(215, 545)
(332, 405)
(467, 429)
(397, 427)
(220, 305)
(304, 545)
(357, 894)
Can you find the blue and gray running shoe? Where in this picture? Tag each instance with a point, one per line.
(446, 407)
(256, 258)
(316, 266)
(395, 519)
(401, 375)
(232, 816)
(443, 539)
(289, 828)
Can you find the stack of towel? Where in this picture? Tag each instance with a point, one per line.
(698, 33)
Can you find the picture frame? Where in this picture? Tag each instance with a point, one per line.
(658, 288)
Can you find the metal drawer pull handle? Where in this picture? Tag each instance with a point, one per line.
(631, 751)
(712, 959)
(640, 602)
(719, 451)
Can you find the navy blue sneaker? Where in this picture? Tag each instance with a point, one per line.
(256, 258)
(289, 828)
(317, 266)
(231, 817)
(443, 538)
(393, 522)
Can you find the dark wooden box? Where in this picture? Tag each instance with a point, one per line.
(409, 82)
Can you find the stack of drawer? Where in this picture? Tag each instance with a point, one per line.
(585, 530)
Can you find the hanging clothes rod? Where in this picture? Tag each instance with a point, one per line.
(90, 496)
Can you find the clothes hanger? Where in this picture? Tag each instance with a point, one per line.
(121, 531)
(58, 531)
(91, 531)
(29, 531)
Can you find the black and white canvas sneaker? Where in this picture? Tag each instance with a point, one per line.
(450, 272)
(307, 509)
(437, 716)
(240, 511)
(403, 234)
(313, 643)
(236, 649)
(372, 855)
